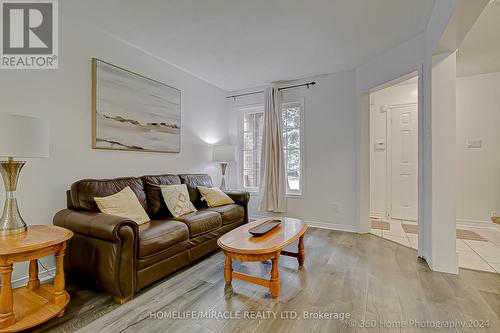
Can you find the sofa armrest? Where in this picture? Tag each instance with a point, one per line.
(104, 247)
(239, 197)
(93, 224)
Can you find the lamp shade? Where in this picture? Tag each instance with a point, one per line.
(224, 153)
(23, 136)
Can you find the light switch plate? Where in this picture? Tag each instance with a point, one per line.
(474, 143)
(379, 146)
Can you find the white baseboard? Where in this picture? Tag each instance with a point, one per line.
(449, 266)
(43, 276)
(321, 225)
(256, 216)
(378, 215)
(478, 224)
(332, 226)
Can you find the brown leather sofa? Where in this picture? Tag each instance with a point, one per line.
(123, 257)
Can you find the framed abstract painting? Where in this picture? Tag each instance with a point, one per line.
(132, 112)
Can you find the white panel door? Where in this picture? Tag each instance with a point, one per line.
(404, 162)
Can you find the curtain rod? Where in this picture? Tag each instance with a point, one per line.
(312, 83)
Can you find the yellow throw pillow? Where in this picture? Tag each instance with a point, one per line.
(123, 203)
(176, 198)
(214, 196)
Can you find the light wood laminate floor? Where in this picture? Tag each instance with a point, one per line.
(372, 279)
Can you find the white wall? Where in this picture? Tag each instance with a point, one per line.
(63, 97)
(329, 150)
(398, 94)
(397, 62)
(478, 169)
(335, 126)
(443, 252)
(412, 55)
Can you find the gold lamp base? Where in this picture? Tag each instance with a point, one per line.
(223, 167)
(11, 221)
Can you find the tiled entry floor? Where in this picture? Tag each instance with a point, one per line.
(472, 254)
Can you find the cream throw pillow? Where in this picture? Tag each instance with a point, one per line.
(214, 196)
(176, 198)
(123, 203)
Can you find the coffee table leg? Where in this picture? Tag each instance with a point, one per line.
(274, 284)
(34, 282)
(7, 316)
(301, 254)
(228, 269)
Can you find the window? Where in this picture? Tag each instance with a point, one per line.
(251, 130)
(292, 146)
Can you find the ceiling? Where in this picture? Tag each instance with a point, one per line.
(480, 50)
(238, 44)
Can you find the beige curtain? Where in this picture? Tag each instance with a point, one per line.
(272, 184)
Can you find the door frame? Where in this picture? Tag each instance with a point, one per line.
(363, 138)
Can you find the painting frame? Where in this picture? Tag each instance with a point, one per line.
(95, 64)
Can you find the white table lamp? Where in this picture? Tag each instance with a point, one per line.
(20, 137)
(224, 154)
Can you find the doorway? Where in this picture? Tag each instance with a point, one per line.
(394, 161)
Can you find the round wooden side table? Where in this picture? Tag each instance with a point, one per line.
(35, 303)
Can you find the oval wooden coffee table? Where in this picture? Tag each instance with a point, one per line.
(239, 244)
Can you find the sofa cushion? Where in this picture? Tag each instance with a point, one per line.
(158, 235)
(193, 181)
(156, 205)
(229, 213)
(123, 203)
(177, 199)
(206, 243)
(84, 191)
(201, 222)
(214, 196)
